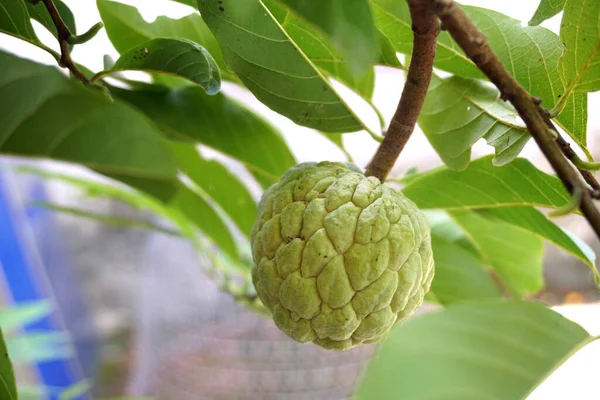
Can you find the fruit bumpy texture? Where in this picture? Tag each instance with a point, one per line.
(339, 257)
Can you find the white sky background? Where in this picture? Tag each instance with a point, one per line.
(576, 378)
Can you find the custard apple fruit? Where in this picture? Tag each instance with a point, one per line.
(339, 258)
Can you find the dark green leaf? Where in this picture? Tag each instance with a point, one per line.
(515, 255)
(459, 111)
(273, 66)
(187, 113)
(15, 20)
(126, 29)
(348, 23)
(222, 187)
(8, 385)
(482, 185)
(472, 351)
(459, 275)
(39, 12)
(580, 32)
(44, 114)
(176, 57)
(547, 9)
(531, 55)
(534, 221)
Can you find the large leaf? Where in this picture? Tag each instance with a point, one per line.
(15, 20)
(482, 185)
(493, 350)
(515, 255)
(459, 275)
(459, 111)
(126, 28)
(44, 114)
(274, 67)
(188, 113)
(530, 54)
(8, 385)
(547, 9)
(535, 222)
(223, 187)
(580, 32)
(348, 23)
(175, 57)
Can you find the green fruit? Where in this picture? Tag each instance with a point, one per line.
(339, 257)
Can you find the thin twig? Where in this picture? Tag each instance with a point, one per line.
(64, 33)
(426, 28)
(475, 45)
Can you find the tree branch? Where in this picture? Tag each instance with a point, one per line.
(64, 35)
(426, 28)
(475, 45)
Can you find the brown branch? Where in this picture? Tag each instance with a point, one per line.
(475, 45)
(426, 28)
(64, 33)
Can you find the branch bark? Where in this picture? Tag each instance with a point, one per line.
(475, 45)
(426, 28)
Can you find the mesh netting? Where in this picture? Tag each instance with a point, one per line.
(195, 342)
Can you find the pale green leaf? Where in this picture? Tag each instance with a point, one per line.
(460, 111)
(459, 275)
(222, 187)
(179, 58)
(22, 314)
(274, 68)
(488, 350)
(349, 23)
(514, 254)
(44, 114)
(8, 385)
(531, 55)
(75, 391)
(546, 10)
(482, 185)
(38, 347)
(188, 114)
(580, 32)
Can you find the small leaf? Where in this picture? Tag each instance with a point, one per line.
(274, 68)
(480, 350)
(535, 222)
(75, 391)
(458, 112)
(177, 57)
(15, 20)
(546, 10)
(38, 347)
(459, 275)
(39, 12)
(8, 385)
(188, 114)
(348, 23)
(22, 314)
(482, 185)
(44, 114)
(515, 254)
(580, 32)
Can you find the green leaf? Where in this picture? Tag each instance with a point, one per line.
(15, 20)
(580, 32)
(44, 114)
(472, 351)
(275, 69)
(222, 187)
(459, 275)
(482, 185)
(187, 113)
(126, 28)
(531, 55)
(533, 221)
(39, 347)
(200, 213)
(458, 112)
(39, 12)
(348, 23)
(8, 385)
(175, 57)
(546, 10)
(515, 255)
(23, 314)
(76, 390)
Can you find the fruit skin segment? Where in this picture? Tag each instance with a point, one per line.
(339, 258)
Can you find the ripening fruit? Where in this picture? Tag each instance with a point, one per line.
(339, 257)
